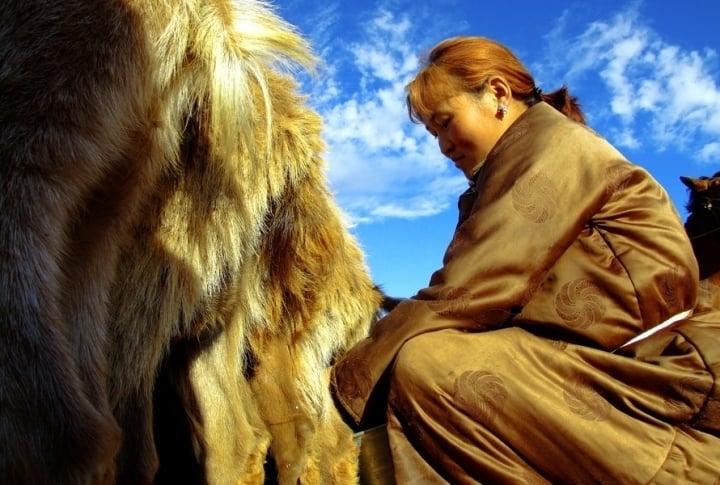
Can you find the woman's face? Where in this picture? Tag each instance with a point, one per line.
(467, 126)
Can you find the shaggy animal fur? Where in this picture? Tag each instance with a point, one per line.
(703, 228)
(162, 199)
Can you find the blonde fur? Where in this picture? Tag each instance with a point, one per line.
(162, 194)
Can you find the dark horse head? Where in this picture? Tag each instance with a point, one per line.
(703, 222)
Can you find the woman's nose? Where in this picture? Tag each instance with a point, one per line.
(446, 145)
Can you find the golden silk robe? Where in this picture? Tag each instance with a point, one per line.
(506, 367)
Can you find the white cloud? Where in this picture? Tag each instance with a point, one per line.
(380, 165)
(710, 153)
(661, 94)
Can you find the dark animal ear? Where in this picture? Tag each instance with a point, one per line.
(696, 184)
(689, 182)
(713, 186)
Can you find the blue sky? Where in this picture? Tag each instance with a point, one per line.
(647, 74)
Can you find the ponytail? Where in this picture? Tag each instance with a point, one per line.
(562, 101)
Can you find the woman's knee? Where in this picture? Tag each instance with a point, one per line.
(417, 362)
(433, 360)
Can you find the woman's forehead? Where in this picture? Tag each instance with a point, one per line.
(427, 102)
(440, 108)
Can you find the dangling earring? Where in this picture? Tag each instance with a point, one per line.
(502, 110)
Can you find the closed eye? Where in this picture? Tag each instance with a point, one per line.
(443, 126)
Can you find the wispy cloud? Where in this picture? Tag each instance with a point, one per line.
(379, 164)
(658, 94)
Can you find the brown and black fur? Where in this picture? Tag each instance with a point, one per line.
(703, 228)
(162, 199)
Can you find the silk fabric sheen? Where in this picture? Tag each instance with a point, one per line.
(502, 368)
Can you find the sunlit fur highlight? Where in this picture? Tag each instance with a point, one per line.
(163, 200)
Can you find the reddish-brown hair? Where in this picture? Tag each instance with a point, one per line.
(464, 64)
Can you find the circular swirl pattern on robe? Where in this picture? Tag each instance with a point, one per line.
(481, 393)
(452, 301)
(668, 286)
(676, 403)
(618, 177)
(359, 384)
(585, 401)
(535, 198)
(579, 303)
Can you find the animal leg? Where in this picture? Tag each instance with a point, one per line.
(230, 437)
(288, 418)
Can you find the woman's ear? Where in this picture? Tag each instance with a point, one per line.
(501, 88)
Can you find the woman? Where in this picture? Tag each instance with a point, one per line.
(527, 358)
